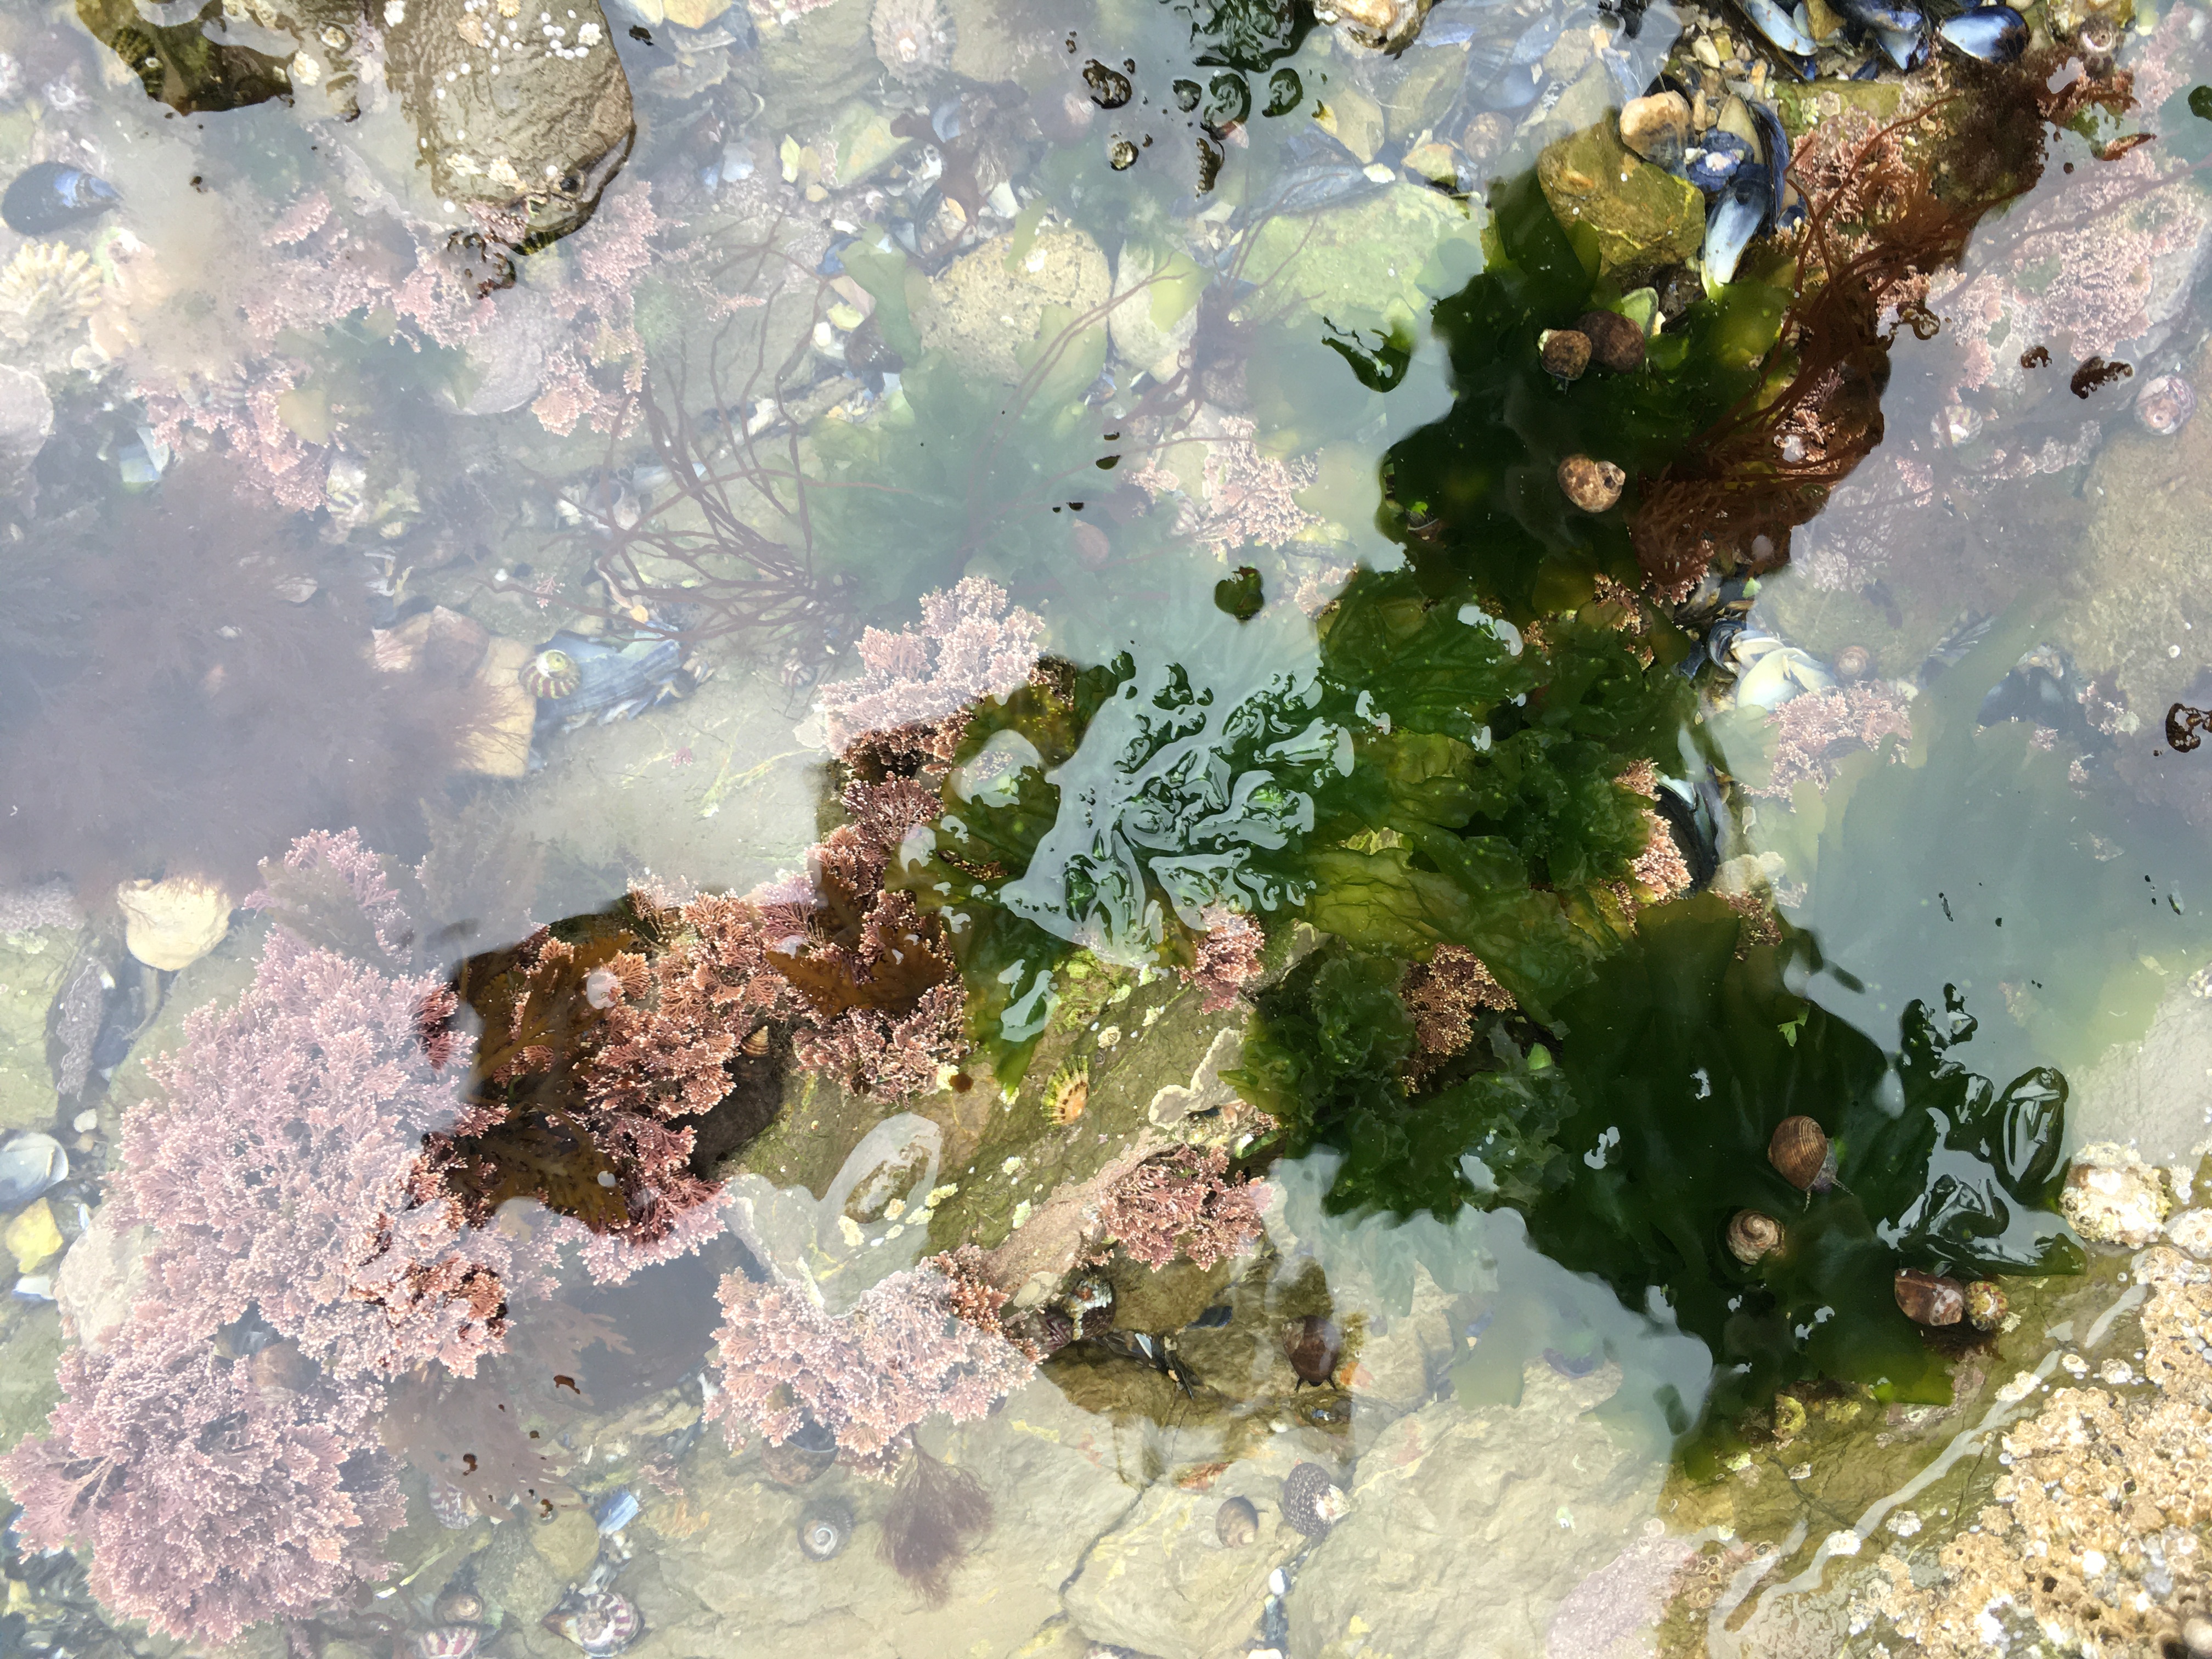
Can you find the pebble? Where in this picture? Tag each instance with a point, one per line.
(1657, 128)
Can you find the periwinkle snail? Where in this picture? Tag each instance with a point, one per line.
(824, 1530)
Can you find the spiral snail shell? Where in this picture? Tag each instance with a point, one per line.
(825, 1529)
(551, 673)
(1752, 1235)
(1800, 1150)
(1237, 1523)
(458, 1606)
(602, 1624)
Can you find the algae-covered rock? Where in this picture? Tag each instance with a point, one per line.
(515, 1578)
(991, 303)
(1156, 313)
(1643, 216)
(2145, 599)
(1360, 264)
(32, 967)
(29, 1355)
(533, 134)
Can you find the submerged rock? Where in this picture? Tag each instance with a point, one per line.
(522, 115)
(172, 923)
(1644, 217)
(33, 966)
(1466, 1528)
(991, 304)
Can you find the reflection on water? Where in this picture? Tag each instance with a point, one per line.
(917, 827)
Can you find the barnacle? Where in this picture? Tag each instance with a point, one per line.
(1067, 1094)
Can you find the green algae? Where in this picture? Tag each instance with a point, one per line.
(1474, 497)
(1684, 1056)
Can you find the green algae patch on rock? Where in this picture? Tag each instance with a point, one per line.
(990, 304)
(1642, 216)
(1363, 264)
(30, 1356)
(32, 966)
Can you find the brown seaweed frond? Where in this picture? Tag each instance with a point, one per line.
(937, 1515)
(1889, 206)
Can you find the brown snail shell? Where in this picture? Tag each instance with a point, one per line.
(1931, 1299)
(1752, 1235)
(1800, 1150)
(1854, 662)
(1313, 1345)
(1986, 1306)
(1237, 1523)
(1565, 352)
(805, 1455)
(1592, 485)
(1616, 342)
(459, 1606)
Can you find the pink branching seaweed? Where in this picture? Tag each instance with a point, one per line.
(1183, 1204)
(971, 645)
(1446, 995)
(1819, 728)
(918, 1342)
(1228, 956)
(213, 1492)
(280, 1168)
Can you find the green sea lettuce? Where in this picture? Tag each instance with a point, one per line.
(1683, 1056)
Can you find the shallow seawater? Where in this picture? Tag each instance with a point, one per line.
(828, 829)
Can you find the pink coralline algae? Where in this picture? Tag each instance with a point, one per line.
(1183, 1204)
(1848, 546)
(2101, 267)
(1228, 958)
(1446, 995)
(39, 904)
(279, 1169)
(213, 1492)
(1246, 496)
(971, 645)
(916, 1343)
(1817, 729)
(242, 417)
(884, 1007)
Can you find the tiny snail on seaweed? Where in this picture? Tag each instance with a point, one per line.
(1801, 1151)
(1752, 1235)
